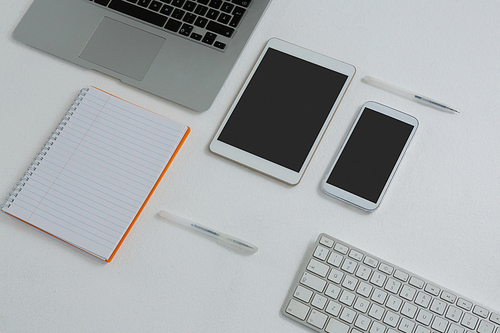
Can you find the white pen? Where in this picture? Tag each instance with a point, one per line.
(406, 94)
(223, 239)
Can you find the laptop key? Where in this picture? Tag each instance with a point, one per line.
(209, 38)
(155, 5)
(166, 10)
(173, 25)
(220, 29)
(138, 12)
(243, 3)
(144, 3)
(186, 30)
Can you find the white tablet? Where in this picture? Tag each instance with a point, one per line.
(283, 110)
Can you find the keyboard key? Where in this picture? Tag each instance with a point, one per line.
(319, 301)
(495, 317)
(209, 38)
(386, 268)
(466, 305)
(321, 252)
(348, 315)
(364, 289)
(189, 18)
(394, 303)
(303, 294)
(361, 305)
(371, 262)
(224, 18)
(317, 319)
(335, 276)
(297, 309)
(332, 291)
(406, 326)
(393, 286)
(485, 327)
(138, 12)
(326, 242)
(378, 279)
(196, 36)
(432, 289)
(391, 319)
(178, 3)
(356, 255)
(424, 317)
(376, 312)
(401, 275)
(423, 299)
(186, 29)
(227, 7)
(335, 326)
(313, 282)
(341, 248)
(470, 321)
(438, 306)
(143, 3)
(439, 324)
(244, 3)
(362, 322)
(408, 293)
(201, 10)
(333, 308)
(189, 6)
(448, 297)
(453, 314)
(363, 272)
(215, 4)
(349, 266)
(347, 298)
(317, 267)
(335, 259)
(220, 29)
(201, 22)
(416, 282)
(155, 5)
(480, 311)
(166, 10)
(173, 25)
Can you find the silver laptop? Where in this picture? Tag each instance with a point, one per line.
(181, 50)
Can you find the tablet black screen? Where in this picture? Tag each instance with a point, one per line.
(283, 109)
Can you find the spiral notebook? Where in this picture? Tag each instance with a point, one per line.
(95, 174)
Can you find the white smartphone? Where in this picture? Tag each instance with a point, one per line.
(279, 117)
(370, 155)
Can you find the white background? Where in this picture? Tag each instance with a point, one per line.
(439, 218)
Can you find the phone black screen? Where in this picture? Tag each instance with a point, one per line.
(283, 109)
(370, 155)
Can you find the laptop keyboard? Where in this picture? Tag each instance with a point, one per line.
(209, 22)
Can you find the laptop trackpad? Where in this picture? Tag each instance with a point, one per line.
(122, 48)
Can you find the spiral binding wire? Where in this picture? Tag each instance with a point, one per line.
(43, 152)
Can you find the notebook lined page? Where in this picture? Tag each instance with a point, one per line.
(98, 172)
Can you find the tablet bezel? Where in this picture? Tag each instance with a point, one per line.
(260, 164)
(352, 198)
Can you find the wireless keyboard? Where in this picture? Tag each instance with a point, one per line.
(343, 289)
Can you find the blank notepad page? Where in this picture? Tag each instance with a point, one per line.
(93, 176)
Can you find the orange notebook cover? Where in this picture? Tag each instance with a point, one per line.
(93, 177)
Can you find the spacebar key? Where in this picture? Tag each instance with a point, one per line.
(138, 12)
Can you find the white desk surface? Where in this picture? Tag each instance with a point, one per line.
(440, 217)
